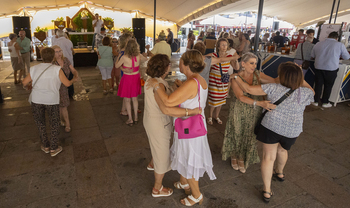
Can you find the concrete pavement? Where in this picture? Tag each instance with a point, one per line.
(103, 163)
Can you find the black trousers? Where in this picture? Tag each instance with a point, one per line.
(326, 80)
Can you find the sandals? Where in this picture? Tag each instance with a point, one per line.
(111, 90)
(56, 151)
(218, 120)
(267, 200)
(45, 149)
(234, 166)
(185, 187)
(123, 113)
(158, 193)
(62, 123)
(199, 200)
(210, 121)
(150, 167)
(105, 92)
(67, 129)
(136, 121)
(129, 123)
(277, 176)
(241, 169)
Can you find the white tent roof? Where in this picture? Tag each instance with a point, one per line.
(297, 12)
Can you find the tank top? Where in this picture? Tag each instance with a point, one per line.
(13, 50)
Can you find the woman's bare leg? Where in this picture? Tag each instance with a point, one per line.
(269, 157)
(128, 109)
(65, 116)
(281, 160)
(135, 103)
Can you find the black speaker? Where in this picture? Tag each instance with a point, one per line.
(276, 26)
(22, 23)
(138, 25)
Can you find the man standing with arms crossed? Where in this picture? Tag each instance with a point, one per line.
(24, 43)
(97, 24)
(327, 54)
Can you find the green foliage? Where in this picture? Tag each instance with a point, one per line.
(79, 22)
(126, 30)
(41, 29)
(108, 19)
(195, 32)
(80, 38)
(58, 19)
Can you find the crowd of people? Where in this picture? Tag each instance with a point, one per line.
(262, 108)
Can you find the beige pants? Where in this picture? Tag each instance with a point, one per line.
(26, 63)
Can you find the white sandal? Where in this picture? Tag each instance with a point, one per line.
(218, 120)
(159, 194)
(185, 187)
(199, 200)
(210, 121)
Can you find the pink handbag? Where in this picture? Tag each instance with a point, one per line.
(193, 126)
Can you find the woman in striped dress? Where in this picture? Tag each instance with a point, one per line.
(217, 89)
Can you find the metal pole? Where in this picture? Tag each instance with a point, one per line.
(336, 13)
(258, 24)
(330, 17)
(154, 22)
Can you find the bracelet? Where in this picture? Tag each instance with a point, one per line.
(254, 104)
(186, 111)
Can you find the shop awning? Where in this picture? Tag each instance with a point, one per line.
(298, 12)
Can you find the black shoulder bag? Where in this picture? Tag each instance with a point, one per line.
(225, 78)
(258, 123)
(306, 64)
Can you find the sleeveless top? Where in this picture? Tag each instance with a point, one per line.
(13, 50)
(134, 69)
(151, 106)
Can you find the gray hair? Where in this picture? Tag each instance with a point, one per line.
(162, 37)
(60, 33)
(12, 36)
(246, 57)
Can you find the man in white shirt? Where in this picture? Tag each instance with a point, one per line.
(65, 44)
(97, 24)
(327, 54)
(162, 47)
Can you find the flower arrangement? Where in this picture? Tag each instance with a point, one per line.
(39, 29)
(126, 30)
(108, 19)
(59, 19)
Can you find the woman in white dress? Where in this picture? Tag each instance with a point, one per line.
(190, 157)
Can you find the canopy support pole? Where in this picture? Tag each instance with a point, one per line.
(330, 17)
(154, 22)
(336, 13)
(258, 24)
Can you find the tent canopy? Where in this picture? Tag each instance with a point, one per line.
(298, 12)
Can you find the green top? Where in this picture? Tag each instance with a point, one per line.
(25, 44)
(106, 54)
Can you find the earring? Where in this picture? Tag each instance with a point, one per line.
(243, 68)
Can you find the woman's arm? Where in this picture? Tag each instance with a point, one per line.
(241, 97)
(241, 47)
(74, 71)
(27, 80)
(64, 79)
(267, 79)
(305, 84)
(253, 90)
(187, 90)
(143, 58)
(120, 62)
(224, 59)
(174, 111)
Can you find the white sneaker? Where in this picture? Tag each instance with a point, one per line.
(327, 105)
(314, 103)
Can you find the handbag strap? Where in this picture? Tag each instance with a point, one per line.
(279, 101)
(199, 93)
(302, 54)
(40, 76)
(220, 66)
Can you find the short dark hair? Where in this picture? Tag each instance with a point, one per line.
(47, 54)
(200, 47)
(246, 36)
(106, 41)
(309, 31)
(230, 42)
(278, 33)
(334, 35)
(290, 75)
(12, 36)
(103, 29)
(157, 65)
(193, 59)
(301, 30)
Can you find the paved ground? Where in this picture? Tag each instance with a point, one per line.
(103, 163)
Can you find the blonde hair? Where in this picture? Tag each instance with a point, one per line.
(123, 40)
(246, 57)
(54, 58)
(132, 48)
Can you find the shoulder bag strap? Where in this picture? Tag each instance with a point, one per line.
(199, 93)
(220, 65)
(287, 94)
(302, 54)
(40, 76)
